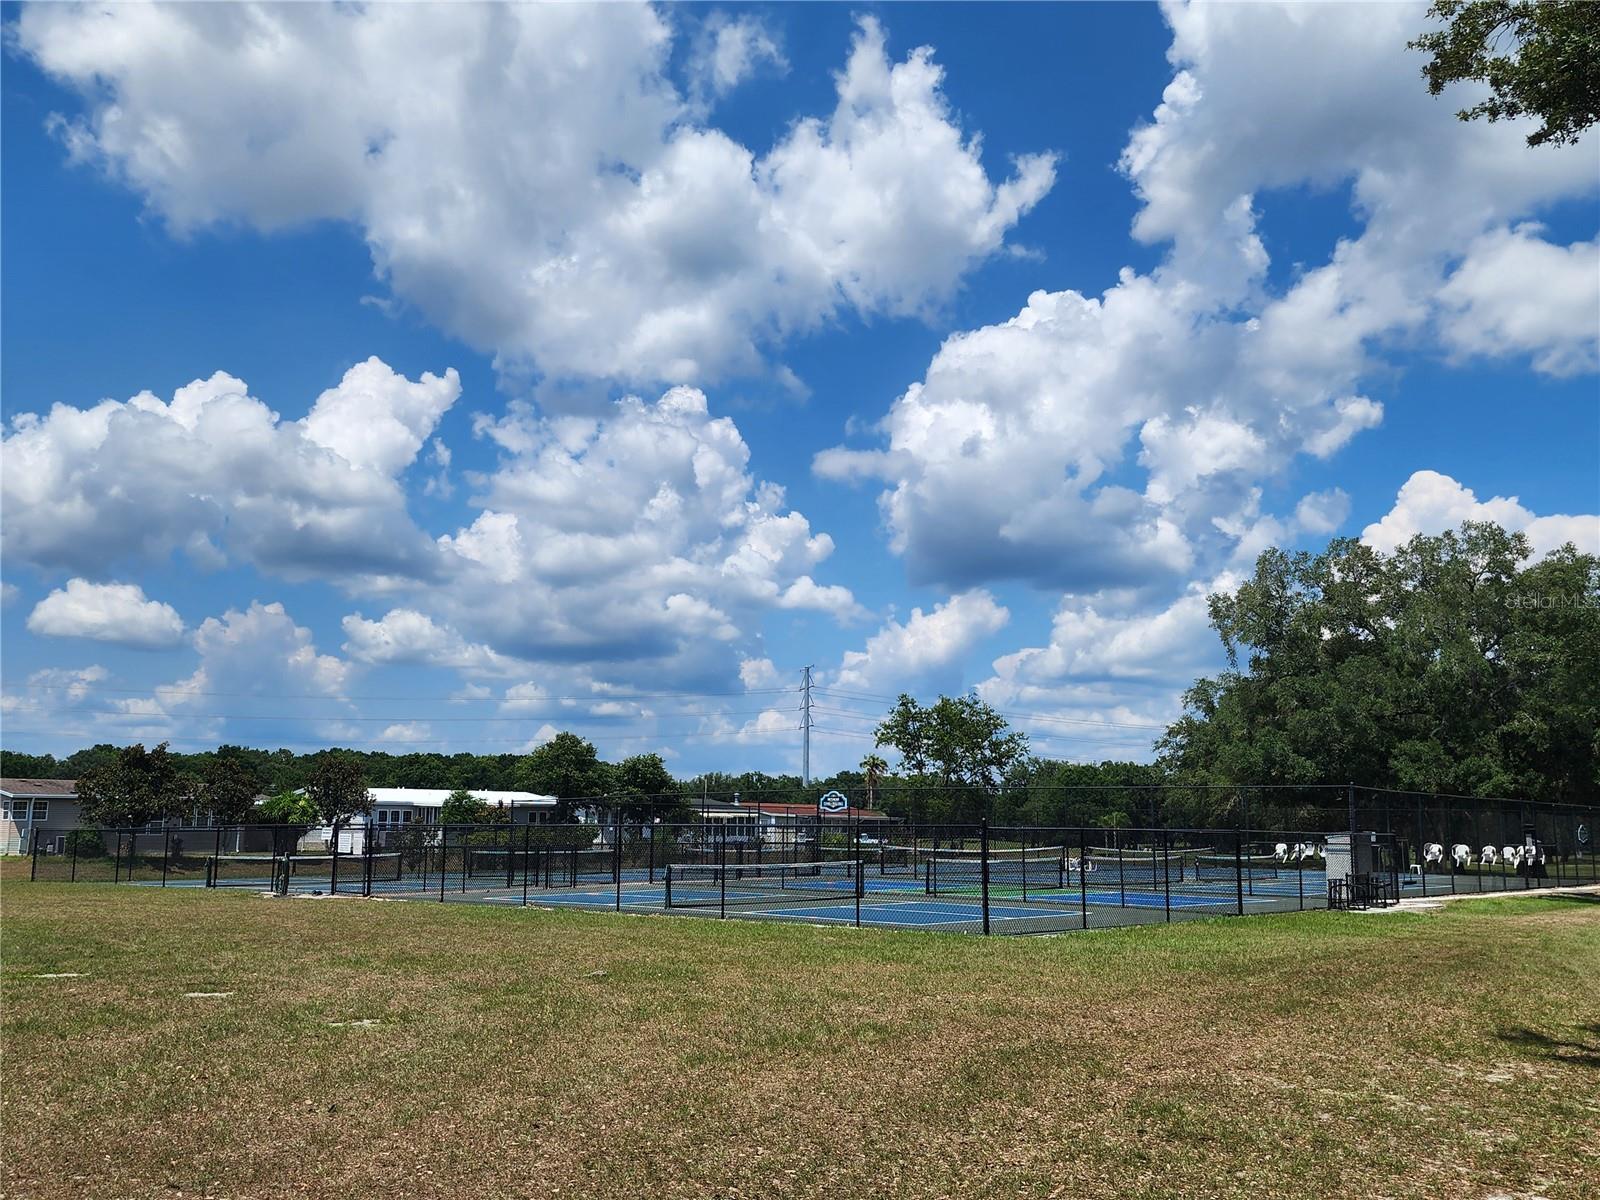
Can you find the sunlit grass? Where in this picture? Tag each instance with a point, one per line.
(529, 1053)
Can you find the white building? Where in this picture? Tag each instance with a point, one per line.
(395, 808)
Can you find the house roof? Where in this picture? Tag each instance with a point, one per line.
(435, 797)
(53, 789)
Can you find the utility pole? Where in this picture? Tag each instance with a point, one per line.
(805, 726)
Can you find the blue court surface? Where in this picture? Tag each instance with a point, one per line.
(889, 901)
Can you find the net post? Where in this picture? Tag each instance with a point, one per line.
(166, 850)
(1238, 869)
(983, 871)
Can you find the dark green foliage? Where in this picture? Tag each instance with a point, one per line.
(957, 750)
(1446, 666)
(227, 790)
(132, 787)
(461, 807)
(14, 765)
(1539, 57)
(338, 790)
(565, 767)
(643, 788)
(85, 843)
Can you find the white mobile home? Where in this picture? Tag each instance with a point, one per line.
(396, 808)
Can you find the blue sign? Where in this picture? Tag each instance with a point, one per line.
(834, 802)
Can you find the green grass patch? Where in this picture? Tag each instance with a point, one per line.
(532, 1054)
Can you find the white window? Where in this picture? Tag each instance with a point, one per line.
(5, 808)
(41, 811)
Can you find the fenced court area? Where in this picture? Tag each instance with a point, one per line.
(980, 878)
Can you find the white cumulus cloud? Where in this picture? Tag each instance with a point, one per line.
(1431, 503)
(626, 239)
(107, 612)
(906, 653)
(217, 474)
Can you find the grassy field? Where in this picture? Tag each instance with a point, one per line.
(367, 1048)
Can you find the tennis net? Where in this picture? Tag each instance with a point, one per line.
(241, 870)
(339, 870)
(1225, 868)
(713, 885)
(541, 866)
(1140, 868)
(951, 872)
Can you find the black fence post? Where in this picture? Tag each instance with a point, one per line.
(1083, 876)
(444, 858)
(1238, 869)
(33, 851)
(116, 861)
(861, 881)
(722, 871)
(616, 855)
(74, 839)
(983, 871)
(1166, 870)
(166, 851)
(527, 842)
(1417, 844)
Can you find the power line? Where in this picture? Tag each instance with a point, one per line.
(568, 717)
(591, 698)
(398, 746)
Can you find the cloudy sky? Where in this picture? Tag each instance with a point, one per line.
(437, 378)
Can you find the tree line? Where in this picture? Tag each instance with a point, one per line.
(1454, 664)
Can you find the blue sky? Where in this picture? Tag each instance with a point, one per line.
(941, 347)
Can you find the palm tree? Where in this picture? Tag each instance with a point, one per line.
(875, 769)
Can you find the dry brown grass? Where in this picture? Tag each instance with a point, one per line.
(534, 1054)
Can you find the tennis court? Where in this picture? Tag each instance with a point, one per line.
(1011, 890)
(968, 879)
